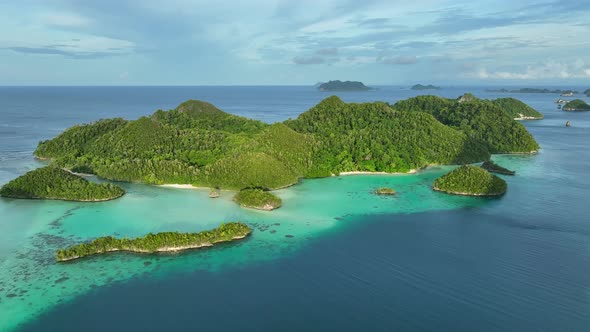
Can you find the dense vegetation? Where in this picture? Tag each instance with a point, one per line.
(160, 242)
(384, 191)
(55, 183)
(421, 87)
(375, 137)
(198, 144)
(343, 86)
(257, 199)
(481, 120)
(492, 167)
(472, 181)
(576, 105)
(517, 109)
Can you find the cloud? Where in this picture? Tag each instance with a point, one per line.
(67, 20)
(91, 47)
(399, 60)
(312, 60)
(327, 51)
(548, 70)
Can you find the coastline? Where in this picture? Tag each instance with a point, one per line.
(158, 250)
(180, 186)
(67, 200)
(465, 194)
(412, 171)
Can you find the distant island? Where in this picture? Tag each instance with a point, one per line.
(576, 105)
(492, 167)
(470, 181)
(343, 86)
(55, 183)
(258, 199)
(156, 243)
(198, 144)
(587, 93)
(534, 90)
(421, 87)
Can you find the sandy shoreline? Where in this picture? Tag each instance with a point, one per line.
(412, 171)
(181, 186)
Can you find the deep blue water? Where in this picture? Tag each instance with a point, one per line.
(518, 263)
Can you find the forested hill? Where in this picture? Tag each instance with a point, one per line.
(484, 120)
(199, 144)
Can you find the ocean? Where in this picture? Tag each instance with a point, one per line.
(334, 257)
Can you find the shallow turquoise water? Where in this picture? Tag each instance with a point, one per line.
(310, 209)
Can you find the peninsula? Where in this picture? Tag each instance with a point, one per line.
(343, 86)
(517, 109)
(576, 105)
(55, 183)
(258, 199)
(470, 181)
(421, 87)
(156, 243)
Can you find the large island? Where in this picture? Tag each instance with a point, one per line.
(58, 184)
(156, 243)
(470, 180)
(198, 144)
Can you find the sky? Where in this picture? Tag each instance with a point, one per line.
(294, 42)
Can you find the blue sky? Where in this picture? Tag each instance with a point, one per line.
(301, 42)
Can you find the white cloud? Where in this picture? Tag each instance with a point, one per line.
(548, 70)
(63, 19)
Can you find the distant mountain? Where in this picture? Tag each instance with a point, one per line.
(587, 93)
(425, 87)
(343, 86)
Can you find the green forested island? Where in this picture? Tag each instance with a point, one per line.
(470, 181)
(160, 242)
(492, 167)
(55, 183)
(421, 87)
(198, 144)
(258, 199)
(343, 86)
(576, 105)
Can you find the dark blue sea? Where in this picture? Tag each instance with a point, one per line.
(423, 262)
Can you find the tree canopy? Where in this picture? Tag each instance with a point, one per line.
(55, 183)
